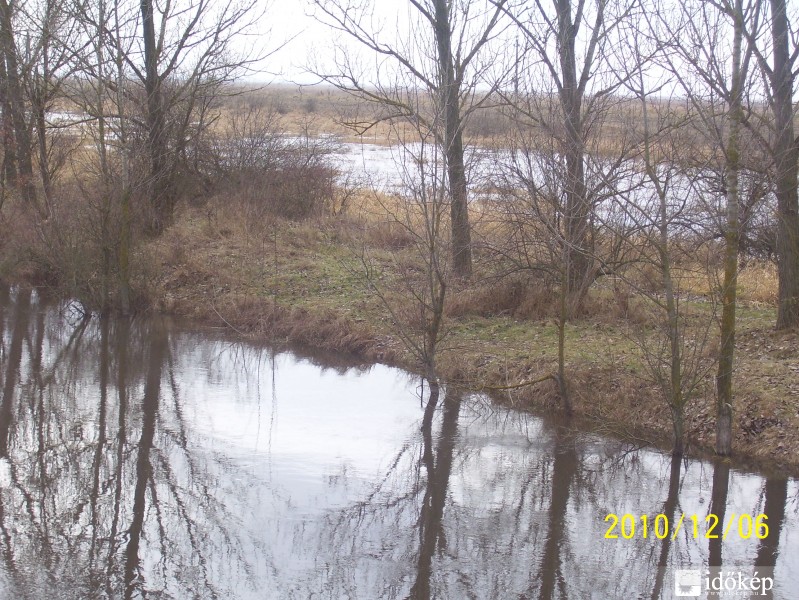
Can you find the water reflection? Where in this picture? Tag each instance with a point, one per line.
(438, 468)
(718, 507)
(670, 511)
(776, 496)
(142, 460)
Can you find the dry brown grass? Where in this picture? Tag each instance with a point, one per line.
(758, 283)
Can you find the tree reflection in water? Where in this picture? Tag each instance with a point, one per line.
(776, 497)
(127, 472)
(670, 510)
(718, 507)
(565, 463)
(93, 512)
(438, 468)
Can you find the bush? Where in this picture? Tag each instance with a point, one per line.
(292, 177)
(296, 191)
(75, 250)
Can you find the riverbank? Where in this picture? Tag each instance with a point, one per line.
(305, 283)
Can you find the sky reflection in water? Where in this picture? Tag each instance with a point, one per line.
(143, 460)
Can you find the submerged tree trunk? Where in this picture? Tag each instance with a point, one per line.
(13, 360)
(731, 239)
(453, 144)
(786, 155)
(565, 467)
(669, 510)
(776, 493)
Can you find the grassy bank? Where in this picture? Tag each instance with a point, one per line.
(305, 283)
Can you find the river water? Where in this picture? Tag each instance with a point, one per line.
(144, 459)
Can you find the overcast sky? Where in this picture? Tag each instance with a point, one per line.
(286, 21)
(290, 21)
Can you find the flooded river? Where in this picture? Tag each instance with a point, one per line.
(146, 460)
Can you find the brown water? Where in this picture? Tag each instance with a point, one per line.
(143, 460)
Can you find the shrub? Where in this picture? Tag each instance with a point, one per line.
(292, 177)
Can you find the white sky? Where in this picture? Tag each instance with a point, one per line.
(287, 21)
(288, 30)
(290, 21)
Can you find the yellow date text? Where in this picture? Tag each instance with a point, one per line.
(628, 526)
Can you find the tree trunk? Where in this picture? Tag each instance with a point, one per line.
(731, 239)
(786, 155)
(125, 233)
(676, 397)
(9, 144)
(453, 145)
(160, 190)
(576, 210)
(676, 400)
(44, 170)
(563, 317)
(40, 88)
(459, 210)
(123, 251)
(16, 104)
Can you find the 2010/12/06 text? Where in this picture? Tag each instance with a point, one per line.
(627, 526)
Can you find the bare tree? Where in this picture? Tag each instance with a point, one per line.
(649, 221)
(713, 74)
(568, 94)
(9, 173)
(780, 77)
(567, 155)
(23, 151)
(416, 301)
(52, 45)
(147, 77)
(786, 153)
(182, 56)
(104, 92)
(447, 56)
(731, 239)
